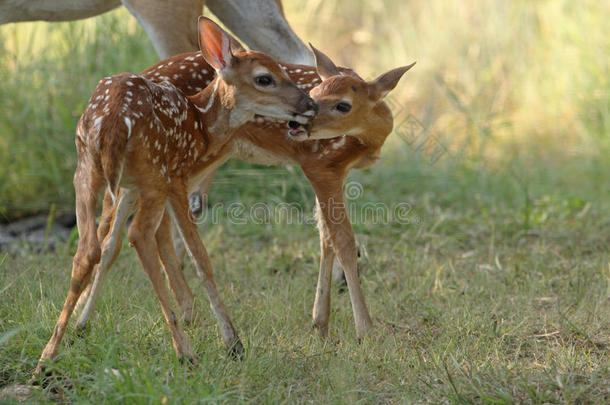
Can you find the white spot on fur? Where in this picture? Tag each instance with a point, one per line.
(339, 143)
(315, 146)
(129, 123)
(97, 124)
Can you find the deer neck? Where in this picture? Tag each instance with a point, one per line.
(376, 128)
(219, 112)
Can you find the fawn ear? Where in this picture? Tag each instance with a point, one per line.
(325, 67)
(215, 44)
(236, 46)
(381, 86)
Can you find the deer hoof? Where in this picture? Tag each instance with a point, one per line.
(236, 351)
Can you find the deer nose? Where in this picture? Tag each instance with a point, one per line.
(311, 107)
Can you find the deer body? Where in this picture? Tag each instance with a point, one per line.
(151, 141)
(325, 162)
(169, 23)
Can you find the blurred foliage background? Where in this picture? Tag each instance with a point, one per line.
(515, 89)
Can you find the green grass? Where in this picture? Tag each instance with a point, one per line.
(48, 72)
(496, 290)
(472, 303)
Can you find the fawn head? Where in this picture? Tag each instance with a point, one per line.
(255, 81)
(349, 105)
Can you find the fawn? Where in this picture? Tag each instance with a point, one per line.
(155, 144)
(350, 106)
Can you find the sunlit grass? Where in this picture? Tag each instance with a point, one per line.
(495, 80)
(47, 73)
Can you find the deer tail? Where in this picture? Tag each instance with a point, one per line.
(113, 157)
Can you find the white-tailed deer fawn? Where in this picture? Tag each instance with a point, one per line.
(155, 144)
(350, 106)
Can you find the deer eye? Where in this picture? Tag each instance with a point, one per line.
(343, 107)
(263, 80)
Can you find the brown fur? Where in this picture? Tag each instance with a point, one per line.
(325, 162)
(152, 140)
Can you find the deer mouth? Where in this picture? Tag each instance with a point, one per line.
(297, 131)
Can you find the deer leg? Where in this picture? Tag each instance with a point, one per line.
(267, 29)
(339, 276)
(171, 25)
(321, 306)
(179, 210)
(110, 249)
(344, 243)
(87, 185)
(141, 235)
(175, 276)
(106, 219)
(331, 206)
(197, 200)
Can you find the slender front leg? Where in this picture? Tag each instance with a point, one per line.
(179, 211)
(110, 249)
(141, 235)
(321, 306)
(344, 243)
(331, 203)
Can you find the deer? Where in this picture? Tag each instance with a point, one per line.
(168, 22)
(352, 124)
(154, 144)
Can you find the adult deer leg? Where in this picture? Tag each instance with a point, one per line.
(179, 210)
(87, 186)
(171, 25)
(141, 235)
(116, 216)
(267, 30)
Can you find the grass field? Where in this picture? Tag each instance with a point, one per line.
(494, 287)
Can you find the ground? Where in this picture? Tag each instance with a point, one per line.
(470, 303)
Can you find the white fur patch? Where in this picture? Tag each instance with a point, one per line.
(129, 123)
